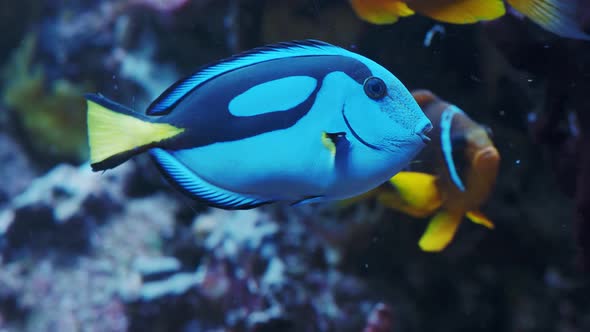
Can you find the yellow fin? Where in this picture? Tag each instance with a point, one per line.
(328, 143)
(381, 11)
(416, 194)
(479, 218)
(460, 11)
(112, 132)
(557, 16)
(394, 201)
(440, 231)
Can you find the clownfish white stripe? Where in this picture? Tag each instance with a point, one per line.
(447, 147)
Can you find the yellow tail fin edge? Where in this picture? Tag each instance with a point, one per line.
(418, 192)
(440, 231)
(111, 133)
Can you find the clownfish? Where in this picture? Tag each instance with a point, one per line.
(462, 174)
(299, 122)
(557, 16)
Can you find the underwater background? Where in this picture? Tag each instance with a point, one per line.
(123, 251)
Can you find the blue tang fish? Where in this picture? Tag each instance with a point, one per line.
(299, 121)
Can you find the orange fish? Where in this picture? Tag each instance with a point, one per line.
(464, 169)
(557, 16)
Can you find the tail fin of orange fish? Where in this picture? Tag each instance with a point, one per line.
(479, 218)
(116, 133)
(416, 194)
(381, 11)
(557, 16)
(440, 231)
(460, 12)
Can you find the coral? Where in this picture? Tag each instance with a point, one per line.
(72, 210)
(159, 5)
(15, 19)
(67, 201)
(51, 112)
(252, 279)
(381, 319)
(118, 264)
(15, 167)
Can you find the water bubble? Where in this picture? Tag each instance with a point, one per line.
(532, 117)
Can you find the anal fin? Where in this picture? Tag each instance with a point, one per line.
(479, 218)
(440, 231)
(190, 183)
(308, 200)
(415, 193)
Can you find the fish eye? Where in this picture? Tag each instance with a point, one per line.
(375, 88)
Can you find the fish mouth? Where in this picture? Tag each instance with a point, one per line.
(369, 145)
(424, 138)
(423, 131)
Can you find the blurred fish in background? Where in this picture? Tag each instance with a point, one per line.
(460, 170)
(557, 16)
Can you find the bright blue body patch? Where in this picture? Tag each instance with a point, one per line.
(278, 95)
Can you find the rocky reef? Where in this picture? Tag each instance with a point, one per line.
(121, 251)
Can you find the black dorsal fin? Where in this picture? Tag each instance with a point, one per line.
(175, 93)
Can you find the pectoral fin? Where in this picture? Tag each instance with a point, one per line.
(381, 11)
(440, 231)
(480, 219)
(415, 194)
(332, 140)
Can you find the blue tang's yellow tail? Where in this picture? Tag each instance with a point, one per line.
(116, 133)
